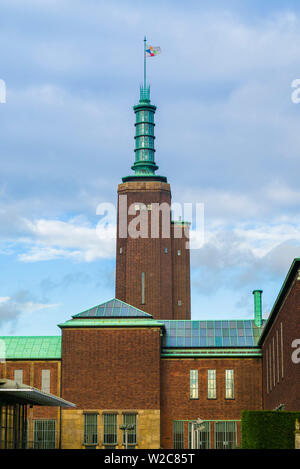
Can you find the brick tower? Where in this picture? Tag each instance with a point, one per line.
(153, 257)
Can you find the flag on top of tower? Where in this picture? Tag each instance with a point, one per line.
(152, 51)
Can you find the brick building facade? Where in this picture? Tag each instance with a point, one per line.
(139, 359)
(280, 343)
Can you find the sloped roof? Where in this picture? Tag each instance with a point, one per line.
(295, 266)
(30, 347)
(113, 309)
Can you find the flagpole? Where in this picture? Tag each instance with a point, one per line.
(145, 63)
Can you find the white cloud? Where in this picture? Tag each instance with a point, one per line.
(243, 257)
(4, 299)
(54, 239)
(11, 307)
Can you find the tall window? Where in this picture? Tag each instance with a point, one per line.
(130, 419)
(193, 384)
(90, 429)
(44, 434)
(46, 381)
(18, 376)
(225, 435)
(178, 434)
(110, 436)
(229, 382)
(211, 384)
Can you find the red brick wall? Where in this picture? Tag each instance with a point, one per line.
(181, 273)
(175, 391)
(11, 366)
(32, 372)
(111, 368)
(154, 257)
(145, 255)
(281, 377)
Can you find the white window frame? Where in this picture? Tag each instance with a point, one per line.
(211, 384)
(194, 384)
(18, 376)
(46, 381)
(229, 384)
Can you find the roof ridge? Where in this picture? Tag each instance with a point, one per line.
(96, 308)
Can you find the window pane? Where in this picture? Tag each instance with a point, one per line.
(90, 429)
(203, 440)
(46, 381)
(44, 434)
(229, 384)
(225, 435)
(178, 435)
(110, 429)
(18, 376)
(211, 384)
(193, 384)
(130, 419)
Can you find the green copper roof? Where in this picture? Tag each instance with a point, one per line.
(113, 309)
(122, 322)
(31, 347)
(144, 166)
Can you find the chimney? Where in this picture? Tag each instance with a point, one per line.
(257, 308)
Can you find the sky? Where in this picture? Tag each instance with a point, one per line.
(227, 136)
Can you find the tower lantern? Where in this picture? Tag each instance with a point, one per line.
(144, 164)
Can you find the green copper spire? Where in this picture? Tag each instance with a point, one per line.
(144, 165)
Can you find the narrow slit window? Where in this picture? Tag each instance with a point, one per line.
(46, 381)
(143, 288)
(18, 376)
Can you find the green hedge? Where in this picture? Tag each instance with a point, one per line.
(268, 429)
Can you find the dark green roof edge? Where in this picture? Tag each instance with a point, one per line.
(105, 322)
(211, 352)
(285, 286)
